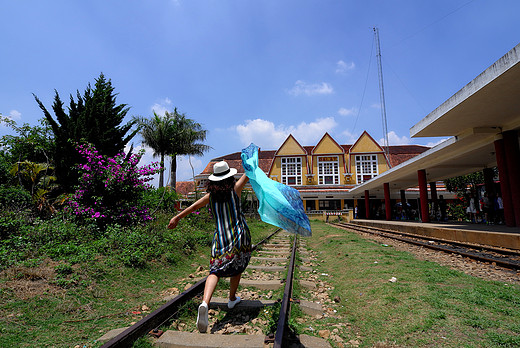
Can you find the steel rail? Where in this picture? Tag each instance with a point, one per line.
(499, 262)
(156, 318)
(452, 242)
(164, 313)
(255, 246)
(283, 319)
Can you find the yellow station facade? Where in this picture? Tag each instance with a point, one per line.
(324, 173)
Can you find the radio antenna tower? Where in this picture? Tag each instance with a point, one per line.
(382, 94)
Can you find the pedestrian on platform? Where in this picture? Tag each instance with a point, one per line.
(231, 247)
(499, 210)
(472, 209)
(485, 208)
(442, 207)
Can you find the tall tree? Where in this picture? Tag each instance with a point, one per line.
(94, 118)
(187, 138)
(157, 133)
(464, 183)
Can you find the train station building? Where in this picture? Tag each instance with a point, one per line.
(481, 121)
(325, 172)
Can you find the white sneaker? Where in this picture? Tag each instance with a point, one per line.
(232, 304)
(202, 317)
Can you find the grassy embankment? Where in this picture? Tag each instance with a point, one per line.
(428, 305)
(62, 285)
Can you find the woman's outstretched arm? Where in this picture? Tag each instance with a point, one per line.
(197, 205)
(239, 185)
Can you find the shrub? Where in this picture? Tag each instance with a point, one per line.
(14, 198)
(162, 199)
(110, 188)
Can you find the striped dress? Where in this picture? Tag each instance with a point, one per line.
(231, 247)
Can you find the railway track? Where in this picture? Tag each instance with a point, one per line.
(497, 256)
(273, 251)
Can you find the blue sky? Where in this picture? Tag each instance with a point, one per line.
(254, 71)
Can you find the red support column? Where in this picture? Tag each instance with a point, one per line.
(367, 204)
(423, 193)
(500, 151)
(388, 205)
(513, 170)
(488, 181)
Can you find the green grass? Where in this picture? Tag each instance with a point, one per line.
(428, 305)
(83, 298)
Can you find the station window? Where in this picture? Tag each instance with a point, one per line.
(291, 170)
(328, 170)
(366, 167)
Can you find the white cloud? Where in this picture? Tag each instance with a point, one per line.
(15, 115)
(376, 106)
(394, 139)
(310, 133)
(302, 87)
(261, 132)
(162, 106)
(267, 135)
(342, 67)
(350, 138)
(432, 143)
(346, 112)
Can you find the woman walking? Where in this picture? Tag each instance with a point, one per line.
(231, 247)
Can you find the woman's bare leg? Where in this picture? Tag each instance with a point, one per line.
(233, 286)
(209, 288)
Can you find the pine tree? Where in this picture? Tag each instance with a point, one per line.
(94, 118)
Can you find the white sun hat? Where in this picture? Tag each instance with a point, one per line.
(221, 171)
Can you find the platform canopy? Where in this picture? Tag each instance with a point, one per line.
(472, 119)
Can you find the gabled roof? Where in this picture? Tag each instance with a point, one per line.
(326, 136)
(291, 139)
(397, 155)
(365, 134)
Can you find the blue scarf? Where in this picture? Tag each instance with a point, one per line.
(280, 205)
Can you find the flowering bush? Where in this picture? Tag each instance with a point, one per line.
(111, 187)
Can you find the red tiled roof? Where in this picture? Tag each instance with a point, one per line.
(397, 155)
(184, 187)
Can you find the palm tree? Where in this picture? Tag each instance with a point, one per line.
(187, 139)
(172, 135)
(157, 134)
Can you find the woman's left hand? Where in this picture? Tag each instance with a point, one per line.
(173, 222)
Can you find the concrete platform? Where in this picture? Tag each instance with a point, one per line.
(495, 235)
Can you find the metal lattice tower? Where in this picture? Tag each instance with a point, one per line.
(381, 93)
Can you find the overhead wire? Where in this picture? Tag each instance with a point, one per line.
(365, 88)
(432, 23)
